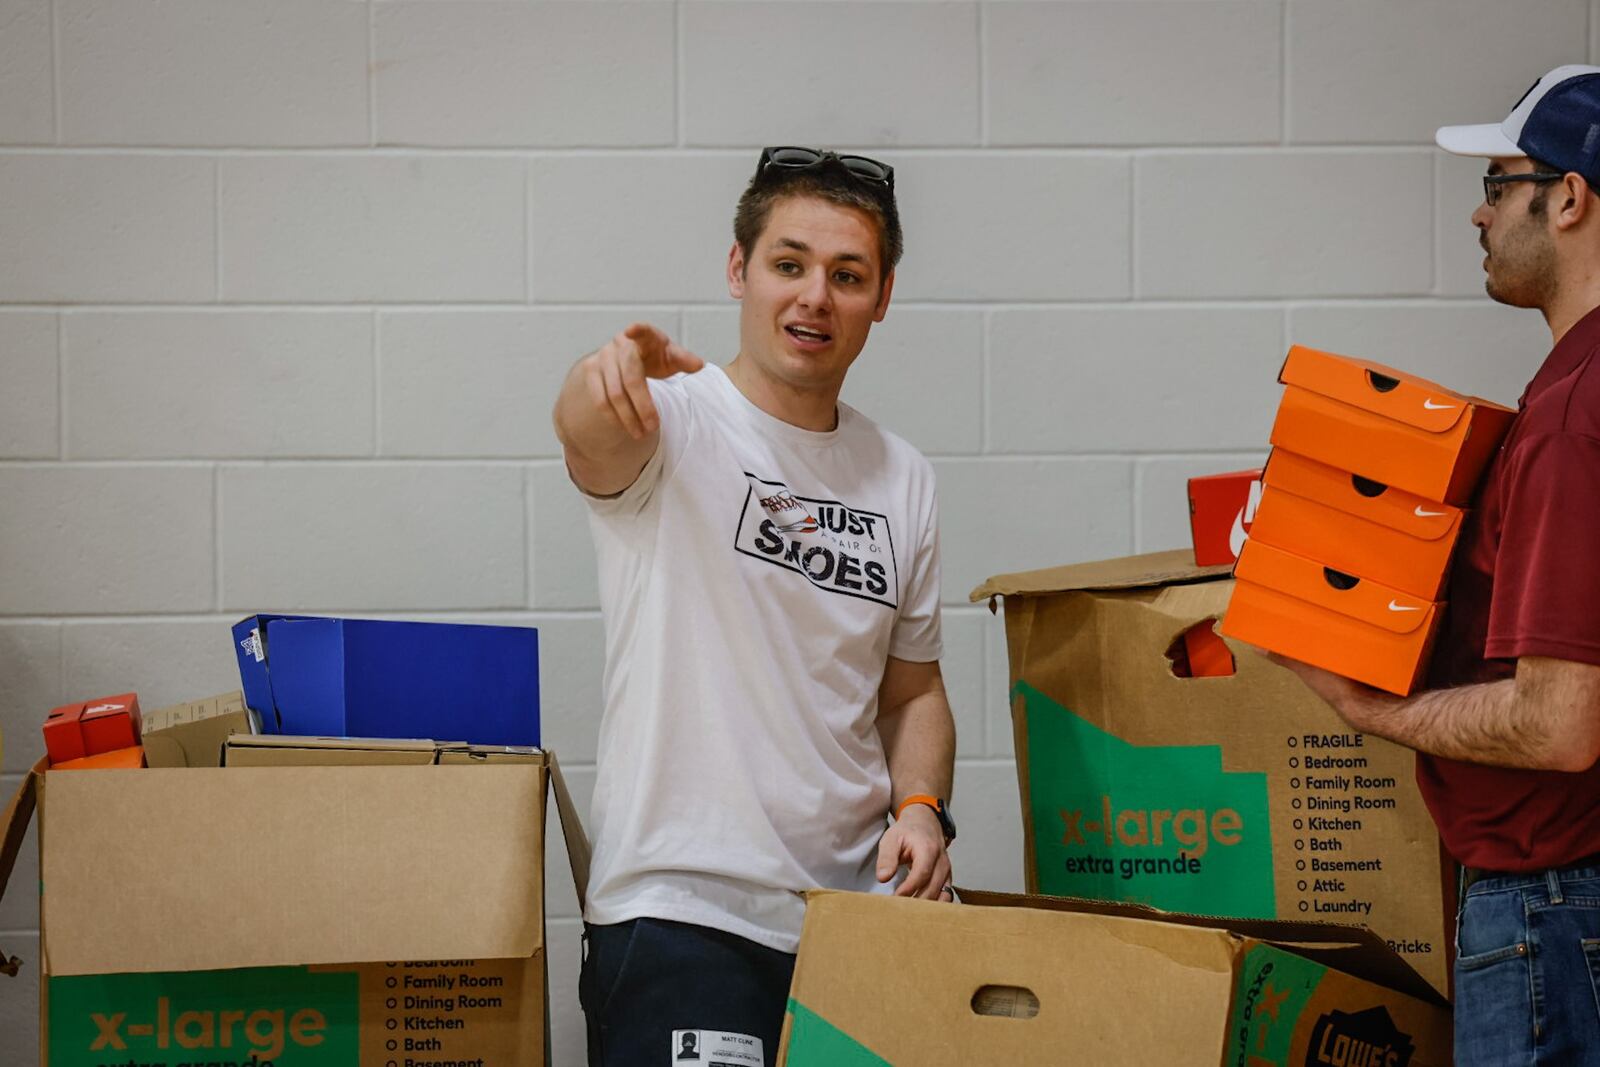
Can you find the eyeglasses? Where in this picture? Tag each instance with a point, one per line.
(1494, 184)
(793, 158)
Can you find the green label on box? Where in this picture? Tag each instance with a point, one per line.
(1274, 988)
(815, 1042)
(277, 1016)
(1158, 825)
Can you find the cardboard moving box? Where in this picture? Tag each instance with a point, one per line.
(358, 916)
(1357, 526)
(1386, 425)
(1241, 796)
(369, 678)
(280, 750)
(191, 735)
(1015, 980)
(1352, 626)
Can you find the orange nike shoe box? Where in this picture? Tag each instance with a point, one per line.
(1351, 626)
(1221, 507)
(1395, 428)
(1361, 527)
(91, 727)
(117, 759)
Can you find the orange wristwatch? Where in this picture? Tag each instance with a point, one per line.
(940, 809)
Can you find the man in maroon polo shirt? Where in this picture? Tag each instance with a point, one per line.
(1508, 732)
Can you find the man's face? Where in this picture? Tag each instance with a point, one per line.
(1520, 268)
(809, 292)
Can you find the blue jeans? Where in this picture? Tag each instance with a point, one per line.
(661, 992)
(1528, 970)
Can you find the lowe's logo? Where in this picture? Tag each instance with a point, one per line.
(266, 1033)
(1363, 1039)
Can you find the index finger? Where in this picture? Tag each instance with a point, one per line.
(652, 341)
(920, 875)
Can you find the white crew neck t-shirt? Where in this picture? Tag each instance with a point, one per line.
(754, 579)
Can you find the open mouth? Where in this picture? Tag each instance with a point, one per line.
(807, 335)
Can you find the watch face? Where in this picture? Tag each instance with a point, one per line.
(946, 821)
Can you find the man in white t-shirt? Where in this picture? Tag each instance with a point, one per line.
(769, 577)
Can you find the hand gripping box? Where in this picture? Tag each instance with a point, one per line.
(1003, 979)
(1382, 424)
(1241, 795)
(1351, 626)
(323, 916)
(1357, 526)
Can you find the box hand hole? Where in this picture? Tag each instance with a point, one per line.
(1199, 653)
(1005, 1002)
(1381, 382)
(1339, 579)
(1367, 487)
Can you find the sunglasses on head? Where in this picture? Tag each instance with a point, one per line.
(795, 158)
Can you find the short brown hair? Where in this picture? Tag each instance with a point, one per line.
(828, 181)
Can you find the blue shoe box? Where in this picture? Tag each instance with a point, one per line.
(327, 677)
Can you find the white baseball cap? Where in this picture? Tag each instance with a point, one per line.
(1557, 122)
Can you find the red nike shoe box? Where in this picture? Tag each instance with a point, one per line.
(1221, 509)
(1356, 525)
(1354, 627)
(92, 727)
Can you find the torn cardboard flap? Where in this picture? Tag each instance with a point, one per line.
(1133, 572)
(19, 810)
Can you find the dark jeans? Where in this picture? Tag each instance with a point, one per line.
(651, 987)
(1528, 972)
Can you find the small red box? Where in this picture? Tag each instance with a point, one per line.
(1221, 509)
(63, 733)
(106, 724)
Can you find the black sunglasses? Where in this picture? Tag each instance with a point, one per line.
(790, 157)
(1494, 185)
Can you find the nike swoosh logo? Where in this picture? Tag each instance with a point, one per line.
(1429, 405)
(1393, 606)
(1236, 536)
(1419, 513)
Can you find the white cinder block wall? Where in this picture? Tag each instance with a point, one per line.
(287, 288)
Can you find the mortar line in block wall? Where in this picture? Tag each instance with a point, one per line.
(216, 538)
(984, 384)
(659, 306)
(1133, 227)
(982, 14)
(527, 536)
(377, 390)
(393, 462)
(726, 151)
(55, 74)
(1137, 507)
(372, 73)
(61, 389)
(216, 231)
(1283, 72)
(679, 125)
(532, 617)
